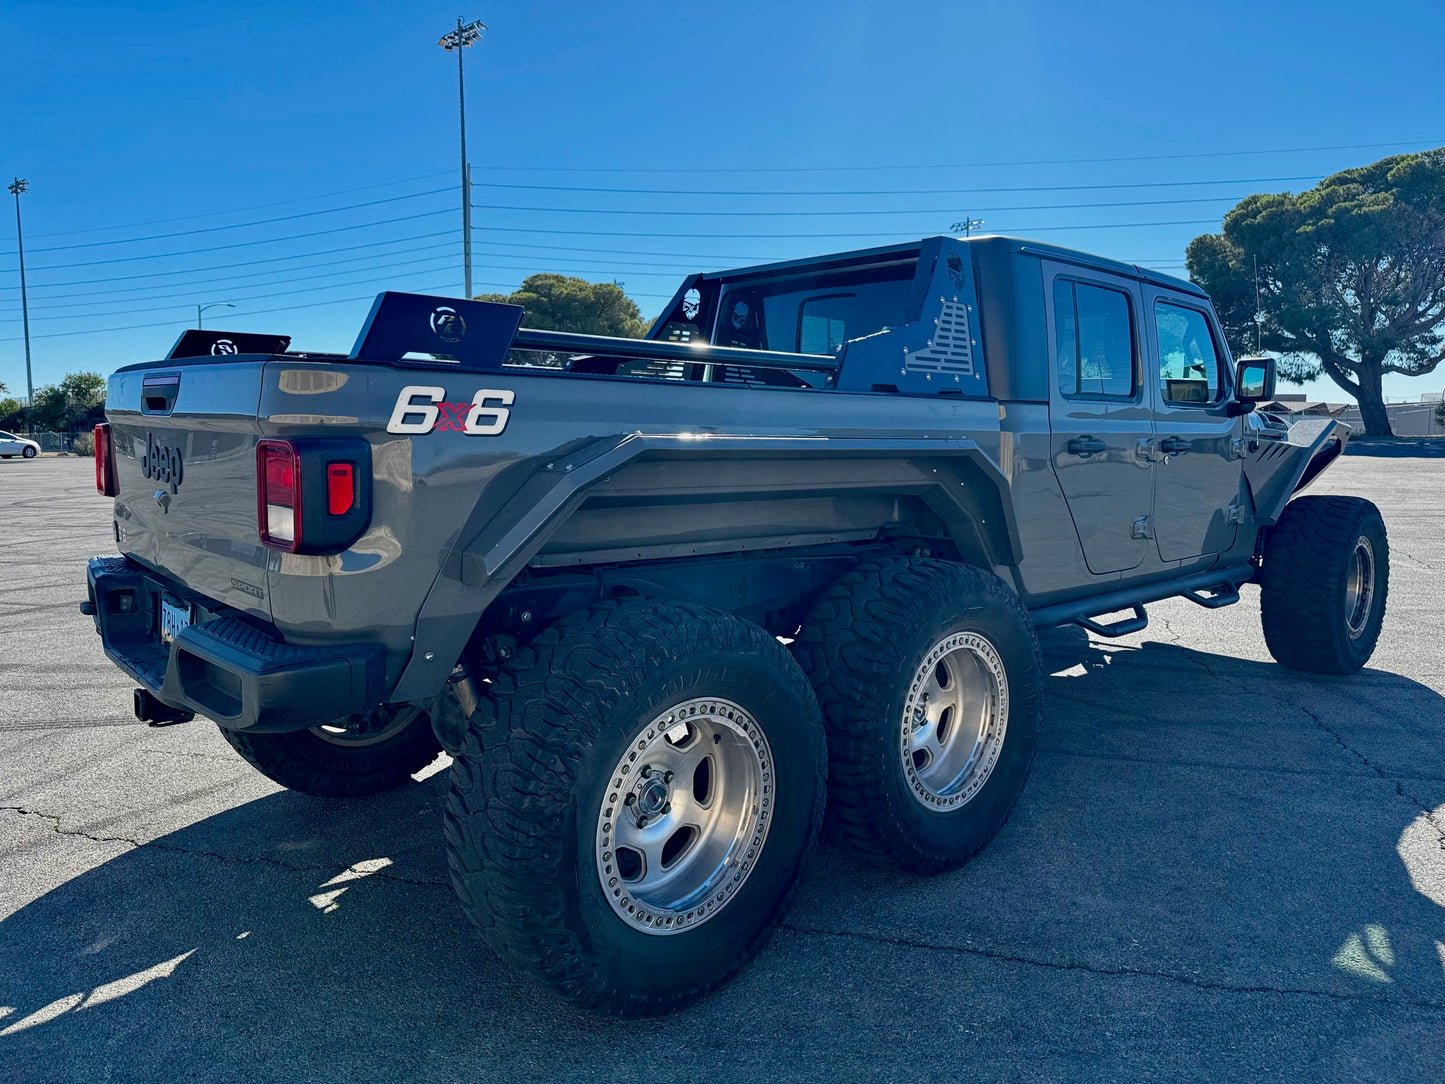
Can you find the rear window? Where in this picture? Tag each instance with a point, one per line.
(1094, 341)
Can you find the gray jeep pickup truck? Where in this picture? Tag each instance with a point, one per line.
(660, 598)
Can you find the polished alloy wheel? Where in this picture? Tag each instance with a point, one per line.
(685, 816)
(372, 731)
(1360, 587)
(954, 721)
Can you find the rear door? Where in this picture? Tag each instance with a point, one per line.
(1099, 420)
(185, 454)
(1198, 468)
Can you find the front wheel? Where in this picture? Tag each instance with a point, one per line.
(29, 452)
(1323, 583)
(930, 680)
(367, 756)
(635, 801)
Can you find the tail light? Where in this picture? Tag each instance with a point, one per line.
(278, 494)
(104, 462)
(312, 495)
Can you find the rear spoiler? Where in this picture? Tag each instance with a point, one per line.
(478, 335)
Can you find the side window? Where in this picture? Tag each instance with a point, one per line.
(1188, 361)
(823, 323)
(1094, 330)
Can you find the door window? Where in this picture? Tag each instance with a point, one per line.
(1188, 361)
(1094, 340)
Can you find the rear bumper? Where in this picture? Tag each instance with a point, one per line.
(220, 666)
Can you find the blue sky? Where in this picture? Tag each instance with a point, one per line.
(304, 157)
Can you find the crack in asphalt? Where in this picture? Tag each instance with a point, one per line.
(814, 931)
(1335, 734)
(170, 848)
(1116, 972)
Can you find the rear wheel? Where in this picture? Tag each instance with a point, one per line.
(635, 801)
(929, 677)
(334, 761)
(1323, 584)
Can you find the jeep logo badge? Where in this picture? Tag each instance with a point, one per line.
(223, 346)
(162, 463)
(447, 324)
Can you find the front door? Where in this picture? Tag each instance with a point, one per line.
(1099, 418)
(1198, 474)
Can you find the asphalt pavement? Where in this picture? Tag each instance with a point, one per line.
(1220, 870)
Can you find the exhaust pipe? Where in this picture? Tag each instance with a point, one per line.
(158, 713)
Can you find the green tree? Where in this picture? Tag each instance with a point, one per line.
(563, 303)
(1351, 276)
(65, 406)
(11, 413)
(1440, 415)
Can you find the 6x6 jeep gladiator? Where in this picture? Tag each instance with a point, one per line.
(658, 598)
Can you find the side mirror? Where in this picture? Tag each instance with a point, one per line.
(1254, 380)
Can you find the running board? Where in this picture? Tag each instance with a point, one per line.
(1212, 589)
(1137, 623)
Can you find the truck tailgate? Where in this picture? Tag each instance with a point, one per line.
(185, 455)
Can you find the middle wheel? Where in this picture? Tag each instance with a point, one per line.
(930, 679)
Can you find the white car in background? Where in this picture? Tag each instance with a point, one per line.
(11, 445)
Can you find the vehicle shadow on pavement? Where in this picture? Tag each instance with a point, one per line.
(1168, 835)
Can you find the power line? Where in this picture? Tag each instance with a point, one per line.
(239, 293)
(888, 191)
(895, 234)
(237, 225)
(250, 207)
(231, 279)
(243, 263)
(843, 214)
(965, 165)
(369, 275)
(283, 308)
(249, 244)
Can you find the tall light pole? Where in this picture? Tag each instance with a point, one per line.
(458, 39)
(966, 227)
(212, 305)
(16, 187)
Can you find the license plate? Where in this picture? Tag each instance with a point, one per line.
(175, 618)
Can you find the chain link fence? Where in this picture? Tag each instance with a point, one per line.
(78, 442)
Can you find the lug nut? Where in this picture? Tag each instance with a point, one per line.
(667, 808)
(667, 777)
(646, 770)
(630, 799)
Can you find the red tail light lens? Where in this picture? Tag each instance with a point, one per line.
(340, 488)
(104, 462)
(278, 494)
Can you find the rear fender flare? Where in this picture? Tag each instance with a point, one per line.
(507, 527)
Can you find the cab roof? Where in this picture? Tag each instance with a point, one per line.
(886, 254)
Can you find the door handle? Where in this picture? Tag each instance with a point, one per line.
(1174, 445)
(1086, 446)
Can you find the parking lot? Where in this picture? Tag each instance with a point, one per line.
(1219, 870)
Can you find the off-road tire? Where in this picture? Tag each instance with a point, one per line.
(538, 761)
(861, 646)
(1304, 597)
(300, 760)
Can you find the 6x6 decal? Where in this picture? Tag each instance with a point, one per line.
(423, 409)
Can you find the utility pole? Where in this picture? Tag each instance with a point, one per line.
(966, 226)
(16, 187)
(458, 39)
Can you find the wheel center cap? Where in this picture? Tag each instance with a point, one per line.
(652, 798)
